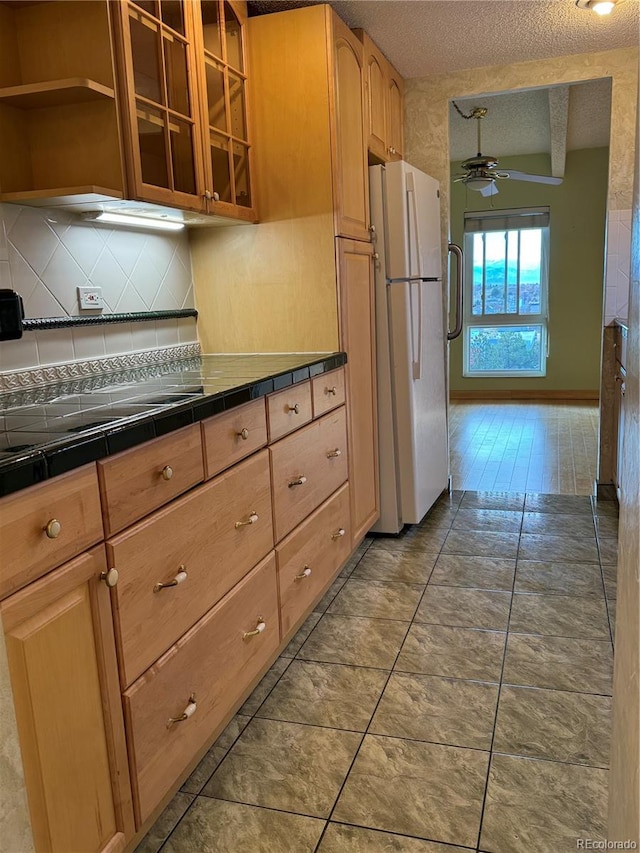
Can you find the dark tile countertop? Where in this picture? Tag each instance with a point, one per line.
(50, 430)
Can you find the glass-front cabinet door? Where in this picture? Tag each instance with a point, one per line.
(162, 115)
(224, 84)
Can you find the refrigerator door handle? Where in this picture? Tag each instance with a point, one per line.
(416, 347)
(454, 249)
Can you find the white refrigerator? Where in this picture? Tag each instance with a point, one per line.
(411, 344)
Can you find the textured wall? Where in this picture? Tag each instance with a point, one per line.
(46, 254)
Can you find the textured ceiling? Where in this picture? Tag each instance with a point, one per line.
(422, 37)
(518, 122)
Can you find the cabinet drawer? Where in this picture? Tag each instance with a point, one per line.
(306, 468)
(214, 662)
(139, 480)
(45, 525)
(232, 436)
(327, 391)
(310, 556)
(202, 540)
(289, 409)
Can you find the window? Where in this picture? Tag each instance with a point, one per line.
(506, 288)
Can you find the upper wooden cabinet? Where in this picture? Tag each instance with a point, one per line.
(384, 94)
(139, 100)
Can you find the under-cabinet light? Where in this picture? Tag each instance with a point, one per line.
(132, 221)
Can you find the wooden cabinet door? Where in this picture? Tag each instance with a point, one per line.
(395, 114)
(357, 330)
(161, 106)
(375, 89)
(62, 662)
(350, 177)
(222, 68)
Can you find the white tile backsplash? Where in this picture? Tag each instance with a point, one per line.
(46, 254)
(618, 265)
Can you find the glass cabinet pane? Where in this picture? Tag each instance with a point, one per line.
(241, 174)
(173, 15)
(219, 148)
(211, 27)
(150, 6)
(182, 157)
(215, 95)
(233, 38)
(145, 49)
(237, 107)
(175, 59)
(152, 139)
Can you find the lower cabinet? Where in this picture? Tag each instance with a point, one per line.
(175, 706)
(64, 676)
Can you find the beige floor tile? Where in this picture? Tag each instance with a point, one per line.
(400, 566)
(558, 578)
(607, 526)
(216, 826)
(559, 663)
(466, 608)
(265, 687)
(610, 574)
(473, 572)
(419, 789)
(215, 754)
(330, 595)
(558, 549)
(560, 616)
(570, 504)
(558, 524)
(286, 766)
(453, 652)
(340, 838)
(355, 640)
(301, 635)
(164, 825)
(377, 599)
(511, 501)
(481, 544)
(554, 724)
(493, 520)
(542, 806)
(324, 694)
(440, 710)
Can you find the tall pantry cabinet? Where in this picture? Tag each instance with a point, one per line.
(302, 280)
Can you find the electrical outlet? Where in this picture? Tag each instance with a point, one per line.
(90, 297)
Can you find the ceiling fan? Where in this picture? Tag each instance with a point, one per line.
(481, 171)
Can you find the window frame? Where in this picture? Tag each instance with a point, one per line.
(506, 220)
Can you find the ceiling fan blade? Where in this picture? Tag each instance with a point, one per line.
(535, 179)
(490, 190)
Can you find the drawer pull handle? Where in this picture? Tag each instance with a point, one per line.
(338, 534)
(299, 482)
(243, 434)
(110, 577)
(303, 574)
(53, 528)
(333, 453)
(295, 408)
(332, 390)
(179, 578)
(167, 472)
(253, 517)
(261, 625)
(189, 711)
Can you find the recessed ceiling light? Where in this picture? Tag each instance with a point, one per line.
(132, 221)
(600, 7)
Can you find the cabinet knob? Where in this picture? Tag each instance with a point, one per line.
(243, 434)
(299, 482)
(110, 577)
(189, 711)
(338, 534)
(216, 196)
(179, 578)
(333, 453)
(333, 390)
(167, 472)
(392, 150)
(260, 626)
(295, 408)
(253, 517)
(303, 574)
(372, 229)
(53, 528)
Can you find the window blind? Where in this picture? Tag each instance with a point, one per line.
(506, 220)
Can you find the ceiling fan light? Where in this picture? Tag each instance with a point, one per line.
(478, 183)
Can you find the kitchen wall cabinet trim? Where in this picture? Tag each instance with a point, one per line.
(384, 104)
(62, 660)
